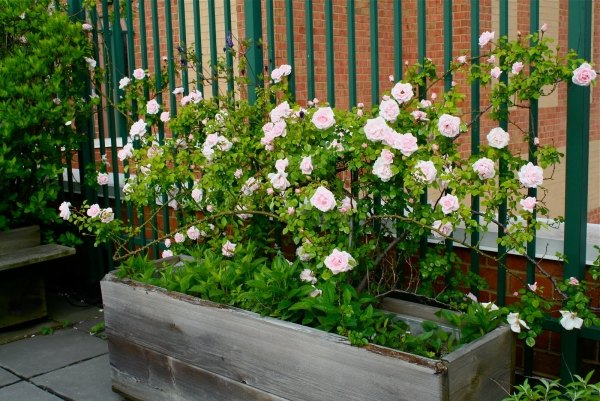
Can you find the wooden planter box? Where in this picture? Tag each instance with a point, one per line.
(169, 346)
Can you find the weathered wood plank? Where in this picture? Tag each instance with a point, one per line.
(32, 255)
(138, 372)
(288, 360)
(19, 238)
(483, 367)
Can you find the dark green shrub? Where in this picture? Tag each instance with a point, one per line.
(43, 75)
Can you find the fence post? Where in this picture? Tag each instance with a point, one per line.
(254, 53)
(577, 164)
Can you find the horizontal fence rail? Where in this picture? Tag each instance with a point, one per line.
(344, 52)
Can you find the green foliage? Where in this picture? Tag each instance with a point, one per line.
(42, 86)
(552, 390)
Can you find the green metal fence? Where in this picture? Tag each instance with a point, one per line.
(138, 34)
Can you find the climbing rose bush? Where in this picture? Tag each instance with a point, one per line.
(348, 197)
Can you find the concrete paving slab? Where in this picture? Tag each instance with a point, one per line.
(24, 391)
(85, 381)
(7, 378)
(42, 354)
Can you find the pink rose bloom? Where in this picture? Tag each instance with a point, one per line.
(528, 203)
(569, 320)
(302, 254)
(517, 67)
(533, 287)
(193, 233)
(530, 175)
(426, 171)
(376, 128)
(449, 203)
(126, 152)
(168, 243)
(441, 230)
(339, 261)
(86, 27)
(308, 276)
(167, 253)
(123, 82)
(197, 195)
(139, 73)
(498, 138)
(178, 90)
(544, 27)
(419, 115)
(573, 281)
(228, 249)
(280, 111)
(323, 118)
(449, 126)
(461, 59)
(405, 143)
(485, 38)
(138, 129)
(323, 199)
(102, 179)
(270, 191)
(286, 69)
(491, 59)
(291, 210)
(276, 75)
(389, 110)
(424, 103)
(315, 293)
(583, 75)
(306, 165)
(165, 116)
(250, 186)
(382, 169)
(386, 156)
(152, 107)
(93, 211)
(179, 238)
(281, 165)
(484, 168)
(238, 173)
(346, 205)
(472, 297)
(536, 141)
(402, 92)
(107, 215)
(496, 72)
(279, 180)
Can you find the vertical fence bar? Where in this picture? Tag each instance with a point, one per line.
(212, 38)
(182, 48)
(252, 12)
(329, 51)
(108, 88)
(373, 14)
(534, 17)
(577, 171)
(198, 46)
(503, 172)
(310, 54)
(351, 21)
(170, 55)
(289, 19)
(398, 40)
(228, 56)
(421, 50)
(475, 98)
(159, 87)
(270, 35)
(447, 43)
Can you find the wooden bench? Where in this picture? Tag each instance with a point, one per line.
(22, 292)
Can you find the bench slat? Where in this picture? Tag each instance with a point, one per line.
(19, 238)
(36, 254)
